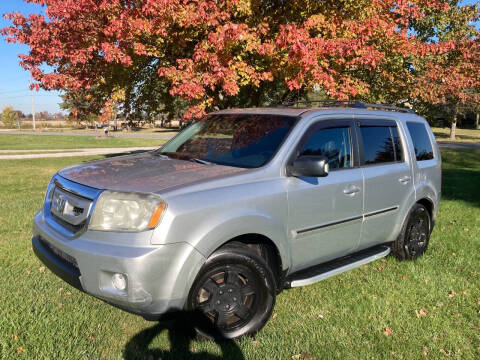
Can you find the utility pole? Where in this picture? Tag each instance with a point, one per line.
(33, 105)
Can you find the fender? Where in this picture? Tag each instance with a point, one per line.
(207, 238)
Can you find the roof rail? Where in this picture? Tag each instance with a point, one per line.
(347, 103)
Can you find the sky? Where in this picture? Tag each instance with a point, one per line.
(14, 81)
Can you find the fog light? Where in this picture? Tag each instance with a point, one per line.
(119, 281)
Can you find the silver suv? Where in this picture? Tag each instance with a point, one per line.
(241, 205)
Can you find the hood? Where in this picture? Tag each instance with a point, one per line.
(144, 173)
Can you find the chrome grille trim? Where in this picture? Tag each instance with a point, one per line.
(77, 194)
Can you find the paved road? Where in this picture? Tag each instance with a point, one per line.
(71, 133)
(73, 152)
(459, 145)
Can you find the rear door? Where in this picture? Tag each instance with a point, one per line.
(325, 213)
(388, 182)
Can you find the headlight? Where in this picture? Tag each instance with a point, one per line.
(120, 211)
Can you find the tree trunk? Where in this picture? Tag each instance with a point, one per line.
(453, 127)
(477, 120)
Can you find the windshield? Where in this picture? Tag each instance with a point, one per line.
(241, 140)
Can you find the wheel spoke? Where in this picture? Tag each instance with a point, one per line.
(221, 319)
(210, 285)
(206, 306)
(242, 311)
(247, 290)
(231, 277)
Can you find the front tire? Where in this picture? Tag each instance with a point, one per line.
(233, 295)
(415, 235)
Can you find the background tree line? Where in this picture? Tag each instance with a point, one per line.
(142, 58)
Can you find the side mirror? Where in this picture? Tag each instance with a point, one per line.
(309, 166)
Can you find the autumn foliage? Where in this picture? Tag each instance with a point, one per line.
(237, 52)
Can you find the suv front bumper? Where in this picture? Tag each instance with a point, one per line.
(158, 277)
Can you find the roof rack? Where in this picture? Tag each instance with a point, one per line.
(348, 104)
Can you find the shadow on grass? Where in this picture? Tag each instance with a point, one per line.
(180, 334)
(461, 184)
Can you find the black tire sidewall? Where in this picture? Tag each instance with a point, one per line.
(244, 257)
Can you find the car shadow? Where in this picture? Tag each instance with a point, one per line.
(461, 184)
(180, 334)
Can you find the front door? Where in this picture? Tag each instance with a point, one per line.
(325, 213)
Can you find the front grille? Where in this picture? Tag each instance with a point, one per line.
(72, 228)
(69, 210)
(62, 255)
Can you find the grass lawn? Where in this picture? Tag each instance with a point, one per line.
(462, 135)
(36, 142)
(387, 309)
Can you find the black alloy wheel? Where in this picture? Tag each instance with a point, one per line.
(415, 235)
(233, 295)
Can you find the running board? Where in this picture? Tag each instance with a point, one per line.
(335, 267)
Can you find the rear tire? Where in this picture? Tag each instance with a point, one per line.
(413, 240)
(233, 295)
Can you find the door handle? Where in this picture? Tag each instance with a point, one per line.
(405, 179)
(351, 190)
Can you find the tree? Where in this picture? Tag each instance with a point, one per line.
(448, 79)
(218, 54)
(9, 116)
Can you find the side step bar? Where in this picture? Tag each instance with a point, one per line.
(335, 267)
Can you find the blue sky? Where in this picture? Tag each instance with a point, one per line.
(14, 80)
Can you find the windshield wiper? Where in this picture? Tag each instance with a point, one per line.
(200, 161)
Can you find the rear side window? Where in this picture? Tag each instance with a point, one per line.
(381, 144)
(421, 141)
(332, 143)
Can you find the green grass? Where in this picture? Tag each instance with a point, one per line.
(431, 306)
(36, 142)
(462, 135)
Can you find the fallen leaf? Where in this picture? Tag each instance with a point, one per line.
(14, 336)
(320, 316)
(464, 292)
(421, 313)
(425, 351)
(255, 342)
(69, 293)
(29, 271)
(440, 304)
(41, 269)
(387, 332)
(20, 350)
(383, 260)
(466, 229)
(91, 338)
(60, 306)
(453, 254)
(444, 352)
(274, 315)
(452, 294)
(404, 277)
(60, 290)
(380, 268)
(304, 356)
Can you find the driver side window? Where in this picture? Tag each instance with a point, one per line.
(334, 144)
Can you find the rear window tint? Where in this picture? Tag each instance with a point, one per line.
(381, 144)
(421, 141)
